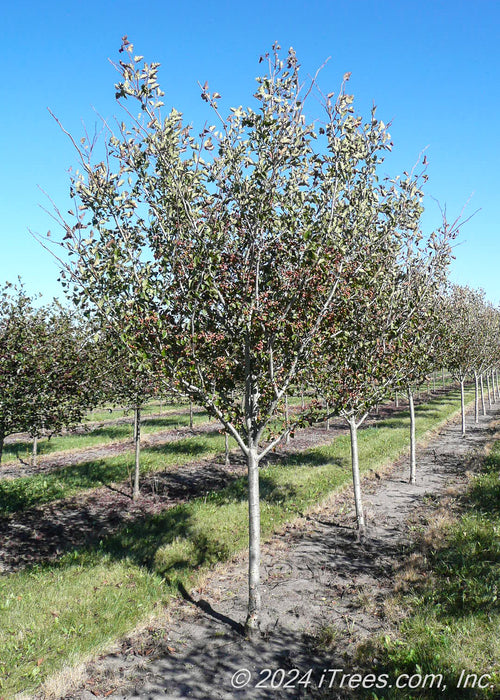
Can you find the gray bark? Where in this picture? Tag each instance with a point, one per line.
(358, 502)
(254, 599)
(34, 451)
(226, 447)
(287, 419)
(191, 414)
(462, 405)
(476, 398)
(483, 406)
(413, 452)
(137, 446)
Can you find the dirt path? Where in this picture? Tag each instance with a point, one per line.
(315, 575)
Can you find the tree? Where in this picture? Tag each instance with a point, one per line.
(220, 257)
(130, 382)
(386, 329)
(461, 311)
(45, 367)
(17, 372)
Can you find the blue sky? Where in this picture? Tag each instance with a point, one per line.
(432, 68)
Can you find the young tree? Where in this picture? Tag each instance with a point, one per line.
(17, 370)
(221, 256)
(461, 310)
(128, 382)
(46, 369)
(385, 331)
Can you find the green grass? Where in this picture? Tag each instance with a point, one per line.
(148, 560)
(454, 608)
(103, 435)
(25, 492)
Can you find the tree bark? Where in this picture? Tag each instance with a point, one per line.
(226, 448)
(2, 439)
(494, 391)
(476, 398)
(488, 389)
(34, 451)
(396, 400)
(444, 382)
(302, 402)
(328, 417)
(483, 406)
(358, 502)
(287, 419)
(462, 405)
(254, 599)
(413, 453)
(137, 445)
(190, 414)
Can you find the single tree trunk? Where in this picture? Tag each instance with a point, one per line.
(226, 446)
(413, 453)
(396, 400)
(494, 377)
(434, 381)
(137, 445)
(444, 381)
(462, 404)
(302, 402)
(191, 414)
(34, 451)
(287, 419)
(254, 600)
(358, 502)
(488, 389)
(493, 387)
(483, 406)
(2, 439)
(476, 398)
(327, 416)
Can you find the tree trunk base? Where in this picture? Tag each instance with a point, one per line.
(252, 627)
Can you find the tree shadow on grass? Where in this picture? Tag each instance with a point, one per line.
(26, 492)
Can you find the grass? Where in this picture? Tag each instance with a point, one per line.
(53, 613)
(103, 435)
(26, 492)
(452, 609)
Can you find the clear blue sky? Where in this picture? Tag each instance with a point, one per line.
(432, 67)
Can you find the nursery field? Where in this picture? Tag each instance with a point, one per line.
(84, 564)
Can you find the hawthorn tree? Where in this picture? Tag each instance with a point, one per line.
(128, 382)
(387, 329)
(220, 256)
(46, 373)
(461, 311)
(17, 371)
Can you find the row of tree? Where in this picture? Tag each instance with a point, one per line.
(56, 365)
(264, 253)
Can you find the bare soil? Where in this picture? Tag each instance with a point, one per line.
(45, 532)
(318, 582)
